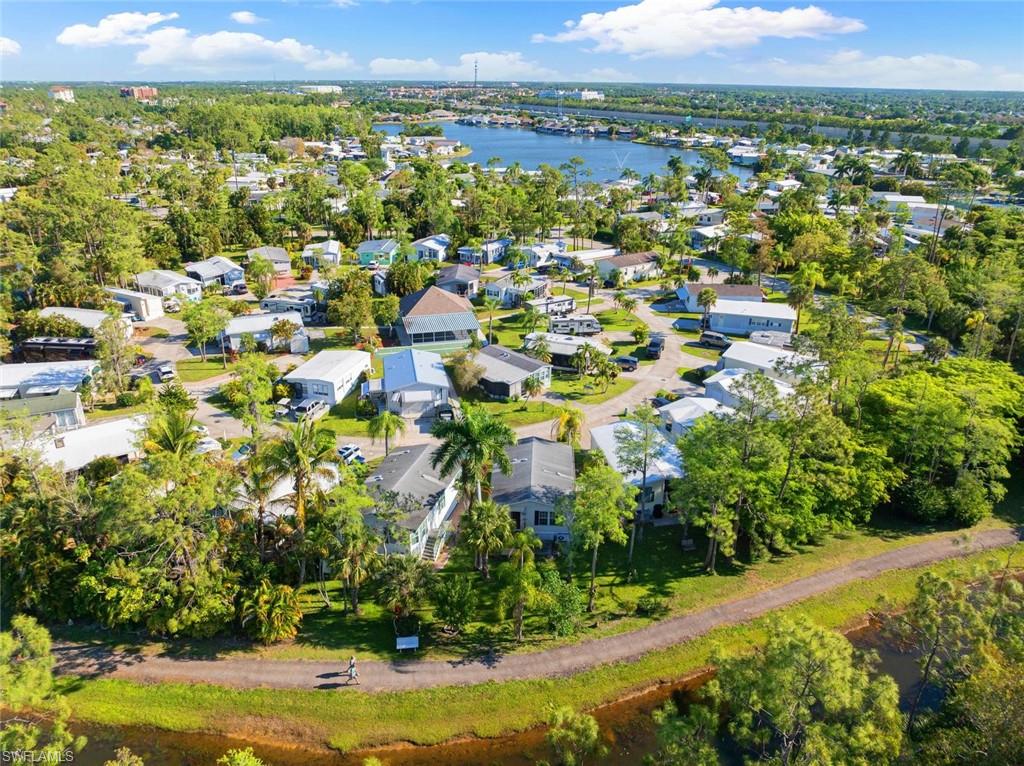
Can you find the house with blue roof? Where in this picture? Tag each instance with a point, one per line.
(377, 252)
(432, 249)
(414, 384)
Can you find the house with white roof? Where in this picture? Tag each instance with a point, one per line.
(491, 251)
(665, 465)
(53, 413)
(217, 270)
(688, 293)
(742, 317)
(414, 384)
(584, 257)
(317, 253)
(509, 294)
(631, 267)
(167, 284)
(773, 361)
(142, 305)
(330, 375)
(724, 385)
(73, 450)
(432, 249)
(539, 254)
(708, 237)
(563, 347)
(90, 319)
(680, 415)
(258, 326)
(44, 378)
(298, 298)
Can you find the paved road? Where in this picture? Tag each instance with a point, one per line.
(563, 661)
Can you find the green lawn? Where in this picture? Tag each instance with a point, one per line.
(195, 370)
(630, 348)
(342, 418)
(513, 414)
(353, 719)
(105, 410)
(692, 347)
(585, 391)
(617, 319)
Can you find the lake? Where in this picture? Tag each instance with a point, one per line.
(605, 158)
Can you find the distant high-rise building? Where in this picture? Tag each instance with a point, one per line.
(572, 95)
(140, 93)
(62, 93)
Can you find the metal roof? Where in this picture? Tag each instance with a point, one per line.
(407, 471)
(753, 309)
(331, 366)
(502, 365)
(260, 322)
(667, 462)
(542, 470)
(411, 366)
(162, 278)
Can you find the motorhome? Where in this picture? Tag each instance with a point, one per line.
(575, 324)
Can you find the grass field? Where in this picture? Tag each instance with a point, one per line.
(195, 370)
(352, 720)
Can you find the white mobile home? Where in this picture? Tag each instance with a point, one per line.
(329, 376)
(258, 326)
(169, 284)
(744, 317)
(90, 319)
(543, 472)
(666, 464)
(143, 305)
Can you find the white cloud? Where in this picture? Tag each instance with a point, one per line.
(503, 65)
(344, 3)
(246, 17)
(9, 47)
(177, 48)
(116, 29)
(682, 28)
(606, 74)
(854, 68)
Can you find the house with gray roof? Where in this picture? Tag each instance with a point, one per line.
(167, 284)
(217, 270)
(543, 472)
(510, 294)
(506, 370)
(317, 253)
(432, 315)
(377, 252)
(258, 326)
(406, 478)
(459, 279)
(414, 384)
(60, 411)
(432, 249)
(277, 256)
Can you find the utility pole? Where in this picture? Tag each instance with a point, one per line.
(476, 68)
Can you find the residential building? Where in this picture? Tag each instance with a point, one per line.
(73, 450)
(688, 293)
(62, 93)
(543, 472)
(773, 361)
(563, 347)
(414, 384)
(539, 255)
(632, 267)
(432, 249)
(459, 279)
(316, 254)
(665, 464)
(377, 252)
(44, 378)
(90, 319)
(509, 294)
(706, 238)
(144, 93)
(168, 284)
(329, 376)
(297, 298)
(429, 498)
(491, 251)
(712, 216)
(680, 415)
(217, 270)
(553, 305)
(505, 371)
(432, 315)
(744, 317)
(277, 256)
(50, 413)
(143, 306)
(258, 327)
(584, 258)
(723, 386)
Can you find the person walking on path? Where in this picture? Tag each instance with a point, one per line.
(353, 674)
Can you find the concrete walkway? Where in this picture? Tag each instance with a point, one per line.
(563, 661)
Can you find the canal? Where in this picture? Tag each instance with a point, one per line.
(605, 158)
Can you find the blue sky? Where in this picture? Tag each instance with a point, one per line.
(972, 44)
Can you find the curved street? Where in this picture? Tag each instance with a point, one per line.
(418, 674)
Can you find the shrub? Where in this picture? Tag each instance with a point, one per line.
(651, 606)
(271, 612)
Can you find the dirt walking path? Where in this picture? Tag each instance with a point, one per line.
(563, 661)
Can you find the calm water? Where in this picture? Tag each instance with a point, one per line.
(605, 158)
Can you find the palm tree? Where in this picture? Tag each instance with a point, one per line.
(568, 426)
(798, 297)
(522, 545)
(591, 274)
(486, 528)
(704, 175)
(173, 432)
(531, 318)
(387, 424)
(532, 386)
(540, 351)
(307, 453)
(629, 304)
(471, 444)
(258, 486)
(562, 275)
(403, 583)
(706, 299)
(490, 305)
(360, 559)
(519, 590)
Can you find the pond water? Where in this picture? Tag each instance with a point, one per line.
(628, 728)
(605, 158)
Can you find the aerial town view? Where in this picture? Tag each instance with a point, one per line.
(507, 383)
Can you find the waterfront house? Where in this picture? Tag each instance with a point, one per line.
(665, 465)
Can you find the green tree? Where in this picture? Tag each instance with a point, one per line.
(239, 757)
(575, 737)
(117, 353)
(470, 444)
(204, 321)
(490, 305)
(706, 299)
(386, 425)
(486, 528)
(359, 556)
(260, 272)
(455, 601)
(519, 590)
(638, 442)
(404, 583)
(281, 333)
(271, 613)
(598, 509)
(568, 425)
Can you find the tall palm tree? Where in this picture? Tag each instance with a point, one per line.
(706, 299)
(386, 425)
(562, 275)
(258, 486)
(471, 444)
(798, 297)
(591, 274)
(532, 386)
(486, 528)
(490, 305)
(568, 426)
(306, 452)
(173, 431)
(360, 559)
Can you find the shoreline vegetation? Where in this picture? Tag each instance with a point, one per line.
(359, 721)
